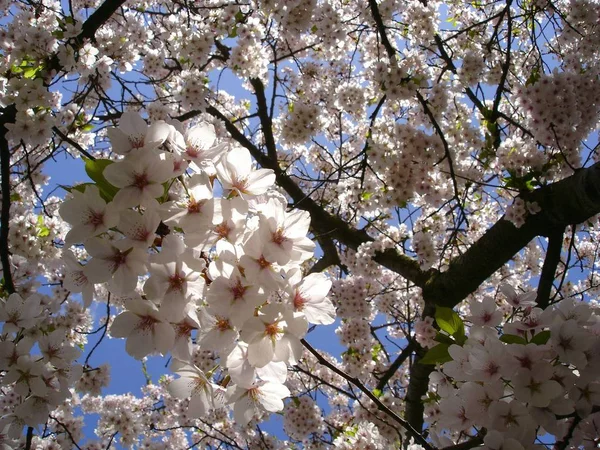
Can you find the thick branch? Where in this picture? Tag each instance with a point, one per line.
(555, 241)
(569, 201)
(8, 116)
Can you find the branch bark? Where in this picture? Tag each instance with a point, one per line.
(572, 200)
(8, 116)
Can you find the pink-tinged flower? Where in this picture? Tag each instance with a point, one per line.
(11, 352)
(510, 417)
(145, 328)
(133, 133)
(284, 234)
(453, 414)
(234, 297)
(459, 368)
(196, 144)
(139, 178)
(194, 385)
(183, 347)
(27, 375)
(232, 214)
(523, 300)
(486, 360)
(485, 313)
(139, 229)
(75, 279)
(195, 215)
(115, 262)
(479, 397)
(17, 313)
(494, 440)
(535, 319)
(536, 387)
(274, 335)
(523, 357)
(248, 401)
(236, 174)
(173, 285)
(257, 268)
(88, 214)
(309, 297)
(585, 393)
(570, 342)
(242, 372)
(57, 350)
(217, 333)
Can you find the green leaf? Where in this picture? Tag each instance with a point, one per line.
(31, 72)
(541, 338)
(449, 321)
(15, 197)
(365, 196)
(296, 401)
(513, 339)
(95, 170)
(444, 339)
(437, 355)
(87, 128)
(42, 229)
(377, 393)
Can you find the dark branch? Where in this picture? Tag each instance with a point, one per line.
(555, 241)
(403, 356)
(569, 201)
(356, 382)
(8, 116)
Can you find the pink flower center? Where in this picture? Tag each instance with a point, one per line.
(140, 180)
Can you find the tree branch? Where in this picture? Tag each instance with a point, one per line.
(555, 241)
(569, 201)
(8, 116)
(356, 382)
(403, 356)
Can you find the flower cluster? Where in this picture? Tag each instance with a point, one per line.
(539, 369)
(223, 274)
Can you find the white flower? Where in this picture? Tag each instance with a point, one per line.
(485, 313)
(570, 342)
(194, 385)
(115, 262)
(196, 144)
(145, 329)
(139, 229)
(75, 279)
(310, 297)
(284, 234)
(274, 335)
(134, 133)
(249, 400)
(236, 174)
(17, 313)
(88, 214)
(139, 178)
(523, 300)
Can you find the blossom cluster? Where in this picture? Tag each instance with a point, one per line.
(221, 273)
(538, 373)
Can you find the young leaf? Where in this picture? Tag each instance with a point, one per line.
(541, 338)
(437, 355)
(95, 169)
(513, 339)
(449, 321)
